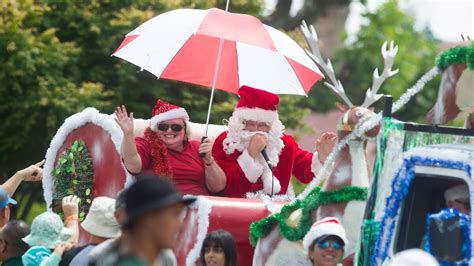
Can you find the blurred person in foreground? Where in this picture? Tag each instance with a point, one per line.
(12, 246)
(150, 225)
(100, 223)
(325, 242)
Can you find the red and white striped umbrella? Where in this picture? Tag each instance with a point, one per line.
(183, 45)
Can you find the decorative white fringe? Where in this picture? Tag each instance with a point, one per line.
(204, 207)
(88, 115)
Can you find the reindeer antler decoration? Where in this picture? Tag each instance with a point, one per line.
(371, 95)
(312, 40)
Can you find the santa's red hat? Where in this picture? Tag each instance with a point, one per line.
(257, 105)
(165, 111)
(330, 226)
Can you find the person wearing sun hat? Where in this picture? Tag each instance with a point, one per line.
(49, 238)
(166, 150)
(47, 233)
(100, 223)
(255, 128)
(325, 242)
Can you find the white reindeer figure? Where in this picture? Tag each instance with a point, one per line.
(349, 167)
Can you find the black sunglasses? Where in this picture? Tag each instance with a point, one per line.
(174, 127)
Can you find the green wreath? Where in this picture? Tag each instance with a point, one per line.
(457, 55)
(314, 199)
(73, 175)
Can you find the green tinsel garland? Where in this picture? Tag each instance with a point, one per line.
(457, 55)
(73, 175)
(314, 199)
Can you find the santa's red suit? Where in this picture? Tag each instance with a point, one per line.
(292, 161)
(247, 174)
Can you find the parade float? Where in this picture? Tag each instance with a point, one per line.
(84, 155)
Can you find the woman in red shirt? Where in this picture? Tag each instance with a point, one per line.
(166, 150)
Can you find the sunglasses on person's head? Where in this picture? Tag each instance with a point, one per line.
(174, 127)
(327, 244)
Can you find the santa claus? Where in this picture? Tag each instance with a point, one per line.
(255, 132)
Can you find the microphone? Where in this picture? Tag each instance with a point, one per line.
(265, 156)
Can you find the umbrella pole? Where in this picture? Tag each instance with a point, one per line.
(214, 80)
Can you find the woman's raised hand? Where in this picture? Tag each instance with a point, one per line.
(123, 120)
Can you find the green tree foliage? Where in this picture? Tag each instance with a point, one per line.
(56, 61)
(356, 63)
(37, 91)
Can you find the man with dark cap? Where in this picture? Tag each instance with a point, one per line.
(153, 208)
(11, 245)
(5, 201)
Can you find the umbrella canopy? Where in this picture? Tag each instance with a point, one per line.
(182, 45)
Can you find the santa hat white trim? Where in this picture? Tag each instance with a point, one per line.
(171, 114)
(456, 192)
(256, 114)
(326, 226)
(251, 169)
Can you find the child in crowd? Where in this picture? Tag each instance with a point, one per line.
(218, 249)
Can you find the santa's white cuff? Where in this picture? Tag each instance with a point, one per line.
(251, 169)
(315, 164)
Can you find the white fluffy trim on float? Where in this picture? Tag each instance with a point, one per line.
(88, 115)
(204, 207)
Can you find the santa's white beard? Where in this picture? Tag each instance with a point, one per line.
(273, 147)
(239, 139)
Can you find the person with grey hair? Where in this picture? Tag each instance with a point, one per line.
(12, 246)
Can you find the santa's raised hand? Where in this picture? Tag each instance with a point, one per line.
(123, 120)
(257, 144)
(325, 144)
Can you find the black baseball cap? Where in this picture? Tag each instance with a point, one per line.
(150, 194)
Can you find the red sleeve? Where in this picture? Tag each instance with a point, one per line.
(236, 182)
(301, 162)
(144, 151)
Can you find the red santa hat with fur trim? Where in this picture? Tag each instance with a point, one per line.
(329, 226)
(165, 111)
(256, 105)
